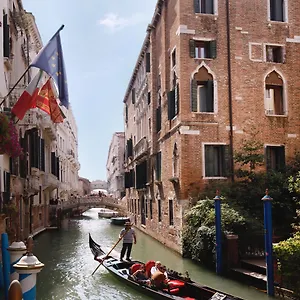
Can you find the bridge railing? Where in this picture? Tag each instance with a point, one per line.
(89, 201)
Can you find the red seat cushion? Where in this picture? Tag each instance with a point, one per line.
(189, 298)
(134, 268)
(148, 265)
(176, 283)
(173, 291)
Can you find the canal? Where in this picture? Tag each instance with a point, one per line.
(69, 264)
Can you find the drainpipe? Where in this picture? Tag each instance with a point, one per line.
(229, 89)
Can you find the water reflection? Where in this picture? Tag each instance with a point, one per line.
(69, 264)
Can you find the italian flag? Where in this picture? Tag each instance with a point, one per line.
(28, 98)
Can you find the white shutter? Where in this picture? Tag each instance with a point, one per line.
(269, 101)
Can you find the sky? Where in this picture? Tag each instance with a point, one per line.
(101, 41)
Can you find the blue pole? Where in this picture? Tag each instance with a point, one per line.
(268, 242)
(6, 263)
(218, 234)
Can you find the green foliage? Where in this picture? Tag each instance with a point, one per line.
(288, 255)
(199, 232)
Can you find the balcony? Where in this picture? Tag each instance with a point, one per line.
(33, 185)
(50, 181)
(64, 186)
(49, 127)
(141, 148)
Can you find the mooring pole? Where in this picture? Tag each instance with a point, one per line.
(218, 233)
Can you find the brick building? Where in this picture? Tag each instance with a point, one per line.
(211, 76)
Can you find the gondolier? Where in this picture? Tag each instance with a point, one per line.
(128, 239)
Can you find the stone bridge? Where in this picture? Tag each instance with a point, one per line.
(80, 205)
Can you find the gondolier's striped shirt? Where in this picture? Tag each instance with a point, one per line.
(128, 238)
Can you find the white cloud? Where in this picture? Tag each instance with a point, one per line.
(114, 22)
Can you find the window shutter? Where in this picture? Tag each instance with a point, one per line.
(194, 95)
(158, 166)
(176, 103)
(126, 113)
(158, 119)
(31, 149)
(227, 167)
(38, 151)
(57, 168)
(171, 104)
(281, 155)
(149, 98)
(210, 96)
(276, 8)
(213, 49)
(133, 96)
(197, 6)
(148, 63)
(192, 49)
(209, 161)
(209, 6)
(268, 158)
(6, 46)
(53, 163)
(43, 155)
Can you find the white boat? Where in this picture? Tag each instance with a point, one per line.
(107, 213)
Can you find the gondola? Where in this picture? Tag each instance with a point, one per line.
(181, 288)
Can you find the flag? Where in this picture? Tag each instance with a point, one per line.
(50, 59)
(27, 99)
(46, 101)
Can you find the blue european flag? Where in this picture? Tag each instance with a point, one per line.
(50, 59)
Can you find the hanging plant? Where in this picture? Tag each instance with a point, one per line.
(4, 132)
(9, 143)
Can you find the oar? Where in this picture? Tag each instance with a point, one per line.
(114, 246)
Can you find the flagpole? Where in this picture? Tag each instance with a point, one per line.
(27, 69)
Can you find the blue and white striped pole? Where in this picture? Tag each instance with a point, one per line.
(218, 233)
(16, 251)
(28, 267)
(5, 262)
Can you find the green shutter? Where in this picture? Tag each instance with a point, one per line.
(213, 49)
(148, 63)
(210, 96)
(194, 95)
(192, 48)
(176, 102)
(209, 6)
(281, 157)
(227, 167)
(149, 98)
(133, 96)
(171, 104)
(196, 6)
(268, 158)
(6, 44)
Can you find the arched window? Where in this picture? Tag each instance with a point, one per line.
(202, 92)
(275, 102)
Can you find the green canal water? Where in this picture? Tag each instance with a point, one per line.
(69, 264)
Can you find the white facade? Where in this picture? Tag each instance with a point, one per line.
(98, 184)
(115, 166)
(67, 150)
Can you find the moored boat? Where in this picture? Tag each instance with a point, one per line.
(181, 288)
(119, 220)
(107, 213)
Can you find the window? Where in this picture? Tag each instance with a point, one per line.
(275, 158)
(173, 59)
(158, 166)
(173, 102)
(133, 96)
(203, 49)
(277, 10)
(216, 160)
(275, 54)
(159, 209)
(203, 96)
(6, 37)
(148, 62)
(274, 95)
(171, 213)
(204, 6)
(151, 208)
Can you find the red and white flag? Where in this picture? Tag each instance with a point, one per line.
(28, 98)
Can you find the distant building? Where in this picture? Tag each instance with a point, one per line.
(84, 186)
(98, 184)
(115, 166)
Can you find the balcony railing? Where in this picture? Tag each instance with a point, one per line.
(49, 127)
(33, 184)
(141, 148)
